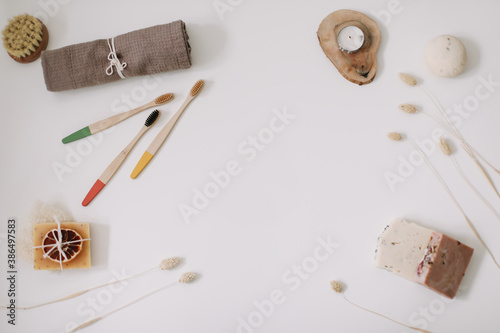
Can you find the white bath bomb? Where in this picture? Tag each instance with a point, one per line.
(445, 56)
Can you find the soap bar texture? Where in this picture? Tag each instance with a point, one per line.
(82, 260)
(422, 255)
(446, 56)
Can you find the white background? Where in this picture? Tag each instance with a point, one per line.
(323, 176)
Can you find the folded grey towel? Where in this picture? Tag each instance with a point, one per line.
(157, 49)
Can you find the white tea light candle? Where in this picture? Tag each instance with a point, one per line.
(350, 39)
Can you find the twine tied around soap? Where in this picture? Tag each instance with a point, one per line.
(59, 243)
(114, 61)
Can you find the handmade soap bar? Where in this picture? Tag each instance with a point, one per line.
(446, 56)
(422, 255)
(444, 264)
(75, 246)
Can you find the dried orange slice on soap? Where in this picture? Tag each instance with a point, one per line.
(71, 245)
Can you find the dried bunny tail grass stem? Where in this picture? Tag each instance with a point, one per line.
(460, 171)
(452, 129)
(411, 109)
(483, 170)
(338, 288)
(411, 81)
(186, 277)
(447, 189)
(445, 148)
(164, 264)
(471, 152)
(473, 155)
(408, 108)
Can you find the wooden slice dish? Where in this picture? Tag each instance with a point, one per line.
(360, 66)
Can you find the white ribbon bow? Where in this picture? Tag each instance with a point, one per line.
(113, 60)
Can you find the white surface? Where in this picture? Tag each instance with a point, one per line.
(321, 177)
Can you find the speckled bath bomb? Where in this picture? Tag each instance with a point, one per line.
(445, 56)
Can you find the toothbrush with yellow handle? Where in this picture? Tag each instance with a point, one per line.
(165, 131)
(117, 162)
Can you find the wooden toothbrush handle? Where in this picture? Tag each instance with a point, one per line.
(113, 120)
(165, 131)
(117, 162)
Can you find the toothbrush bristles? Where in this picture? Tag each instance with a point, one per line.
(152, 118)
(164, 98)
(196, 88)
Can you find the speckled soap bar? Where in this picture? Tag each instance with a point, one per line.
(424, 256)
(82, 260)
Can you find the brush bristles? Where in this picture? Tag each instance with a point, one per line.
(196, 88)
(152, 118)
(164, 98)
(22, 35)
(408, 79)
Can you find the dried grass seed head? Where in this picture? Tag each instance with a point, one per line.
(169, 263)
(408, 79)
(394, 136)
(445, 147)
(336, 286)
(187, 277)
(408, 108)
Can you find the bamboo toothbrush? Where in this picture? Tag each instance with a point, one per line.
(117, 162)
(113, 120)
(165, 131)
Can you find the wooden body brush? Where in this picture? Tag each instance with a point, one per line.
(165, 131)
(117, 162)
(113, 120)
(24, 38)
